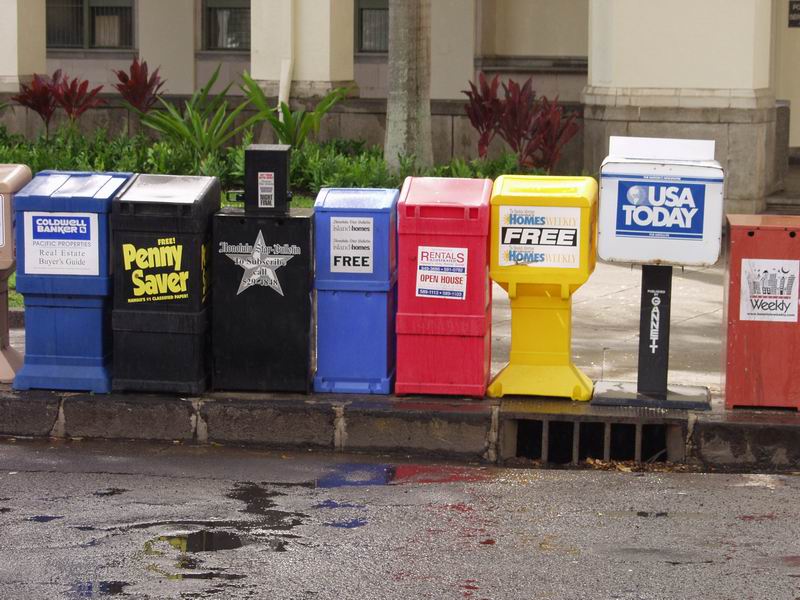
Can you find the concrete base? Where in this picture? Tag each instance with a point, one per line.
(541, 380)
(623, 393)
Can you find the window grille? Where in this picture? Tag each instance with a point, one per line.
(227, 25)
(89, 24)
(372, 26)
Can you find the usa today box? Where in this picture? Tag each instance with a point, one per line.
(660, 202)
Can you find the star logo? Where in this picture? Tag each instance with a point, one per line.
(260, 266)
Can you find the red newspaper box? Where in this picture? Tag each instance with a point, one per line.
(762, 312)
(444, 319)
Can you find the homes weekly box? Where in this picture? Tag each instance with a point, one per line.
(356, 283)
(161, 231)
(444, 303)
(263, 270)
(763, 340)
(544, 241)
(12, 179)
(65, 275)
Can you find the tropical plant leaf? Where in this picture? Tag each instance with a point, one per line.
(140, 91)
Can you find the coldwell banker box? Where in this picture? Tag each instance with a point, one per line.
(161, 226)
(444, 311)
(660, 205)
(356, 279)
(65, 275)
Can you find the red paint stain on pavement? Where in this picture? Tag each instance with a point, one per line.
(439, 474)
(489, 542)
(757, 518)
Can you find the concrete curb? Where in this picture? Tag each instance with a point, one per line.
(747, 440)
(465, 429)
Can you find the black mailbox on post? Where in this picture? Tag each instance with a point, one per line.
(263, 269)
(266, 179)
(161, 232)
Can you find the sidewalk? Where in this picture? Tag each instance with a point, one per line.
(605, 346)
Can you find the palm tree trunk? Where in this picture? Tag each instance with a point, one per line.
(408, 111)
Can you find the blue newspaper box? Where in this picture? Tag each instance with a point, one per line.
(356, 283)
(63, 272)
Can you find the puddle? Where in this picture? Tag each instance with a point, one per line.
(334, 504)
(260, 501)
(94, 589)
(646, 514)
(42, 518)
(210, 575)
(356, 474)
(110, 492)
(4, 509)
(351, 524)
(364, 474)
(203, 541)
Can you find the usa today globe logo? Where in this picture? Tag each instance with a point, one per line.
(637, 195)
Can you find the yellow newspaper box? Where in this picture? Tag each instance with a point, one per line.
(544, 247)
(12, 179)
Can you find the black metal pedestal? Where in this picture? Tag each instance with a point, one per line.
(652, 390)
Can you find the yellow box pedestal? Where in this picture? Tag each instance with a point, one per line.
(544, 240)
(540, 361)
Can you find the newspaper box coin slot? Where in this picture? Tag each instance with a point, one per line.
(660, 205)
(543, 249)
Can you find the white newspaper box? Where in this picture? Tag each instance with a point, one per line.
(660, 202)
(660, 205)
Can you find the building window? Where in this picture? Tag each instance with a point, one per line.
(227, 25)
(89, 24)
(372, 25)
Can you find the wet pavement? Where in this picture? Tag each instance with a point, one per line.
(96, 520)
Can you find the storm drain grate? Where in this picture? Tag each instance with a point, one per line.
(562, 442)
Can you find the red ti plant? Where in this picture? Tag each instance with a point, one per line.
(534, 128)
(76, 98)
(484, 109)
(518, 121)
(39, 96)
(138, 89)
(555, 131)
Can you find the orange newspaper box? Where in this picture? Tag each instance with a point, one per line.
(763, 340)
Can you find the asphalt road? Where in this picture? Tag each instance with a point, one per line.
(96, 520)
